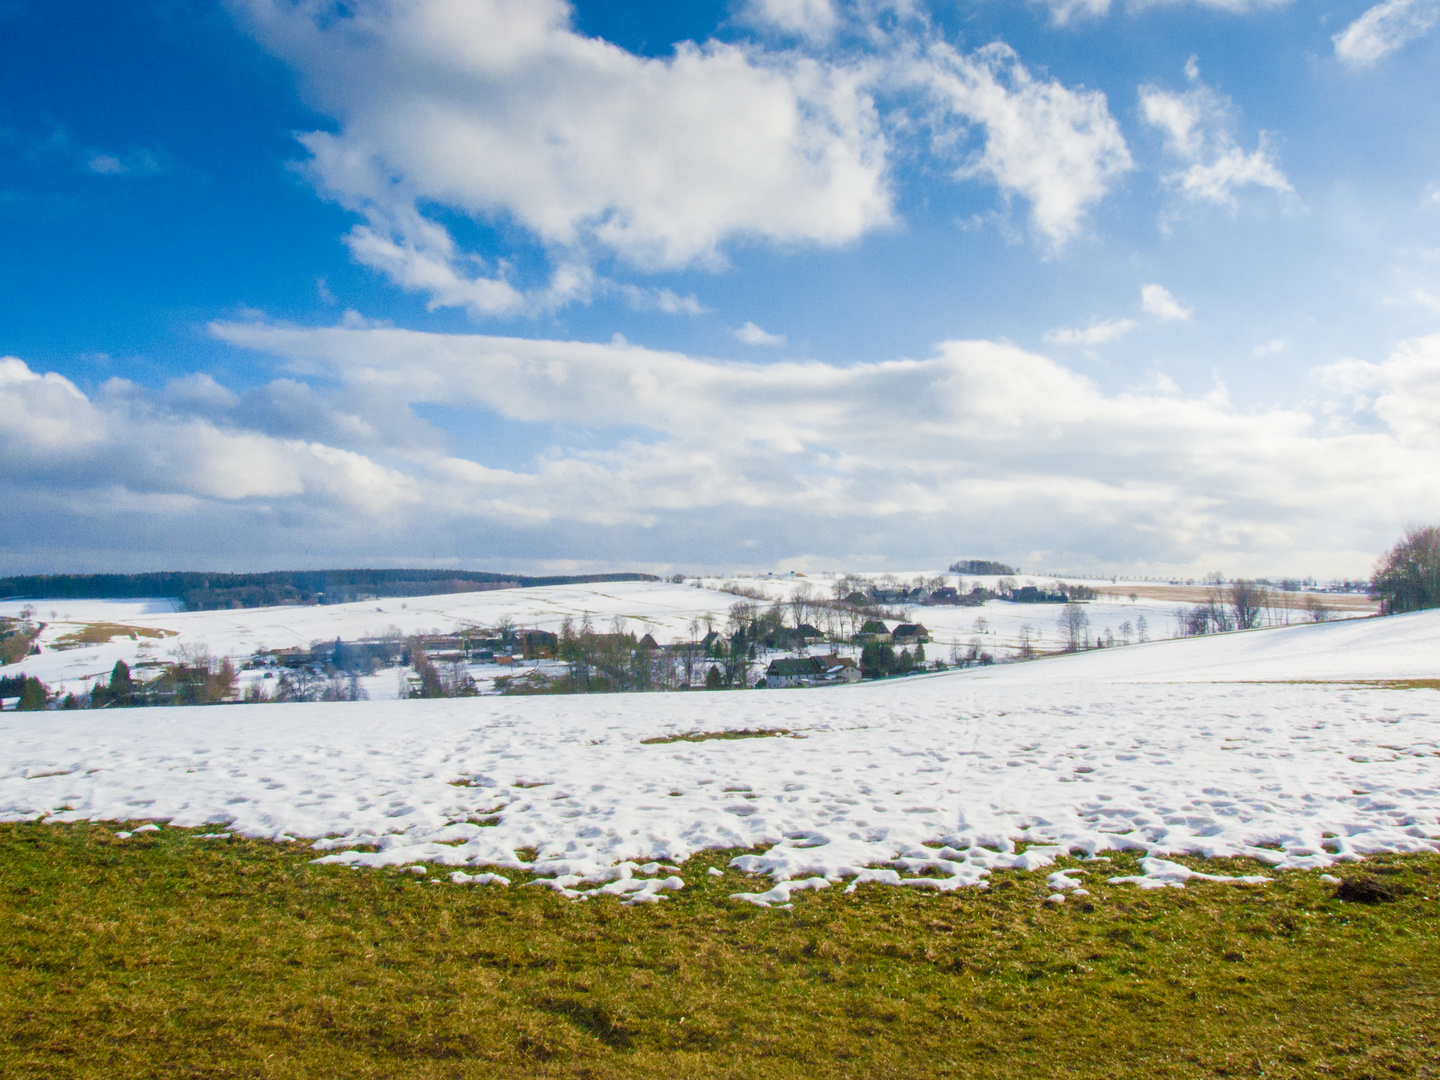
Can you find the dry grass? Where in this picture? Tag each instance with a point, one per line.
(709, 736)
(101, 633)
(1346, 603)
(170, 956)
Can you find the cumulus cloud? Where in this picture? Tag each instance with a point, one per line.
(52, 435)
(1097, 333)
(1196, 129)
(751, 334)
(1383, 29)
(1056, 146)
(813, 19)
(1158, 301)
(499, 111)
(498, 108)
(1402, 392)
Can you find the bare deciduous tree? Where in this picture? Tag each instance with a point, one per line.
(1247, 598)
(1076, 624)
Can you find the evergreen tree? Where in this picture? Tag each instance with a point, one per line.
(34, 697)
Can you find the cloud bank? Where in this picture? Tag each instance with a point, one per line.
(708, 462)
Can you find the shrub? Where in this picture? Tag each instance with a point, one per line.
(34, 697)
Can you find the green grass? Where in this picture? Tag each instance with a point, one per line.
(168, 956)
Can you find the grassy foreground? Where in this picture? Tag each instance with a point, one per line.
(169, 956)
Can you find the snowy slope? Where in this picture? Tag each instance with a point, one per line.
(666, 610)
(1154, 747)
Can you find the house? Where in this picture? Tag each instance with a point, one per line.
(710, 642)
(839, 669)
(648, 642)
(805, 632)
(797, 671)
(910, 634)
(875, 630)
(945, 595)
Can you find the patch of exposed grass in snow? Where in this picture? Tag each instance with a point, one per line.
(168, 955)
(101, 633)
(707, 736)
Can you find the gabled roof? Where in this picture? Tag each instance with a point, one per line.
(799, 666)
(910, 629)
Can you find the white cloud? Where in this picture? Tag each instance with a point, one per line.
(1098, 333)
(135, 163)
(1270, 348)
(53, 436)
(1063, 11)
(978, 428)
(1157, 301)
(1402, 391)
(1385, 28)
(666, 300)
(499, 111)
(751, 334)
(1058, 147)
(813, 19)
(498, 107)
(1196, 129)
(817, 458)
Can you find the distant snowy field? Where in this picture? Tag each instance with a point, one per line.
(1244, 744)
(666, 610)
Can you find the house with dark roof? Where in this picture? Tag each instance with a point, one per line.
(839, 669)
(910, 634)
(793, 671)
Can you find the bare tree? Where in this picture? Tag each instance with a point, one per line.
(1076, 625)
(1316, 609)
(1247, 598)
(1141, 627)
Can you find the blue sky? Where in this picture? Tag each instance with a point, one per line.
(1124, 287)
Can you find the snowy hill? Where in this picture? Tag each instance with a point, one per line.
(1199, 746)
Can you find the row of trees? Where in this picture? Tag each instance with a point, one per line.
(1407, 577)
(1245, 605)
(194, 678)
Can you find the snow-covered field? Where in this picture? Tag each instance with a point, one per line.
(666, 610)
(1244, 744)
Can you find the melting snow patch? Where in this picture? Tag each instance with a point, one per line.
(780, 894)
(459, 877)
(1160, 873)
